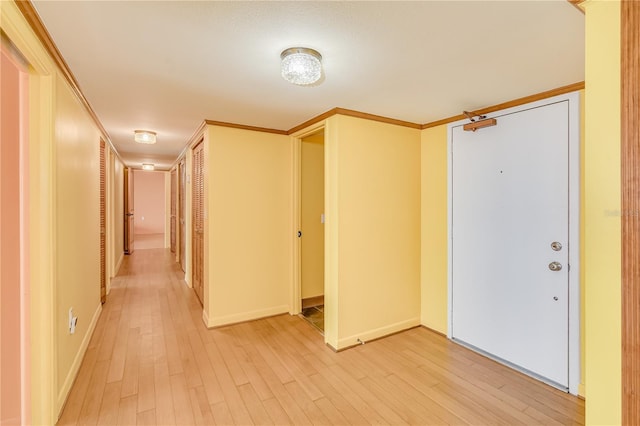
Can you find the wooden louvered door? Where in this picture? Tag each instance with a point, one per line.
(198, 219)
(182, 243)
(103, 225)
(630, 140)
(173, 210)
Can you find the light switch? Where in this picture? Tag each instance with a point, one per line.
(322, 218)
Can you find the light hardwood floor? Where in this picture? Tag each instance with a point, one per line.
(148, 241)
(152, 361)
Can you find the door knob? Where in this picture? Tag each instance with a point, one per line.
(555, 266)
(556, 246)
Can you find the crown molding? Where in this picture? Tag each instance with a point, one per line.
(577, 4)
(516, 102)
(245, 127)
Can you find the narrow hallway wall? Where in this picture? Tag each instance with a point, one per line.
(247, 224)
(149, 202)
(372, 282)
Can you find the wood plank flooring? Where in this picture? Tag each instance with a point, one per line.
(152, 361)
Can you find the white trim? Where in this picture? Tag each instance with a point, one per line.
(243, 316)
(574, 225)
(167, 210)
(377, 333)
(295, 293)
(77, 362)
(118, 264)
(205, 318)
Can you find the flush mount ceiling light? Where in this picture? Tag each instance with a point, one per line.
(144, 136)
(148, 166)
(301, 65)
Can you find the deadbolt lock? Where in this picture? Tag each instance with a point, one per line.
(555, 266)
(556, 246)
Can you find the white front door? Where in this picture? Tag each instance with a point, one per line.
(509, 223)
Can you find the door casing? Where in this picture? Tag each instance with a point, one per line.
(295, 304)
(128, 210)
(574, 224)
(312, 239)
(15, 310)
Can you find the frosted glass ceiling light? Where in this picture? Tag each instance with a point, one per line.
(144, 136)
(301, 66)
(148, 166)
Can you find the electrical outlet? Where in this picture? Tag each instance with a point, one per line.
(73, 321)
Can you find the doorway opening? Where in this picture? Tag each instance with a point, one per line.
(311, 228)
(150, 209)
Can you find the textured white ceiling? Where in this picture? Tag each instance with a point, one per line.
(168, 65)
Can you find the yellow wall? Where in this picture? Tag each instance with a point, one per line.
(248, 224)
(77, 231)
(434, 213)
(117, 205)
(373, 188)
(167, 211)
(602, 213)
(312, 207)
(581, 386)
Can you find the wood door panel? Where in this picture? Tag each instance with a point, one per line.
(128, 210)
(103, 224)
(182, 245)
(630, 164)
(173, 210)
(198, 220)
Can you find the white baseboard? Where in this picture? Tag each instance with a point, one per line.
(75, 366)
(116, 269)
(245, 316)
(205, 318)
(376, 333)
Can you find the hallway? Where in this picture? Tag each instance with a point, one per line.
(152, 361)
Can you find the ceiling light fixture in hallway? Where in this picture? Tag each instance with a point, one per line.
(144, 136)
(301, 65)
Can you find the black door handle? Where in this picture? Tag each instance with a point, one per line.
(299, 234)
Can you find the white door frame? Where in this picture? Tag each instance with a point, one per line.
(574, 223)
(295, 294)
